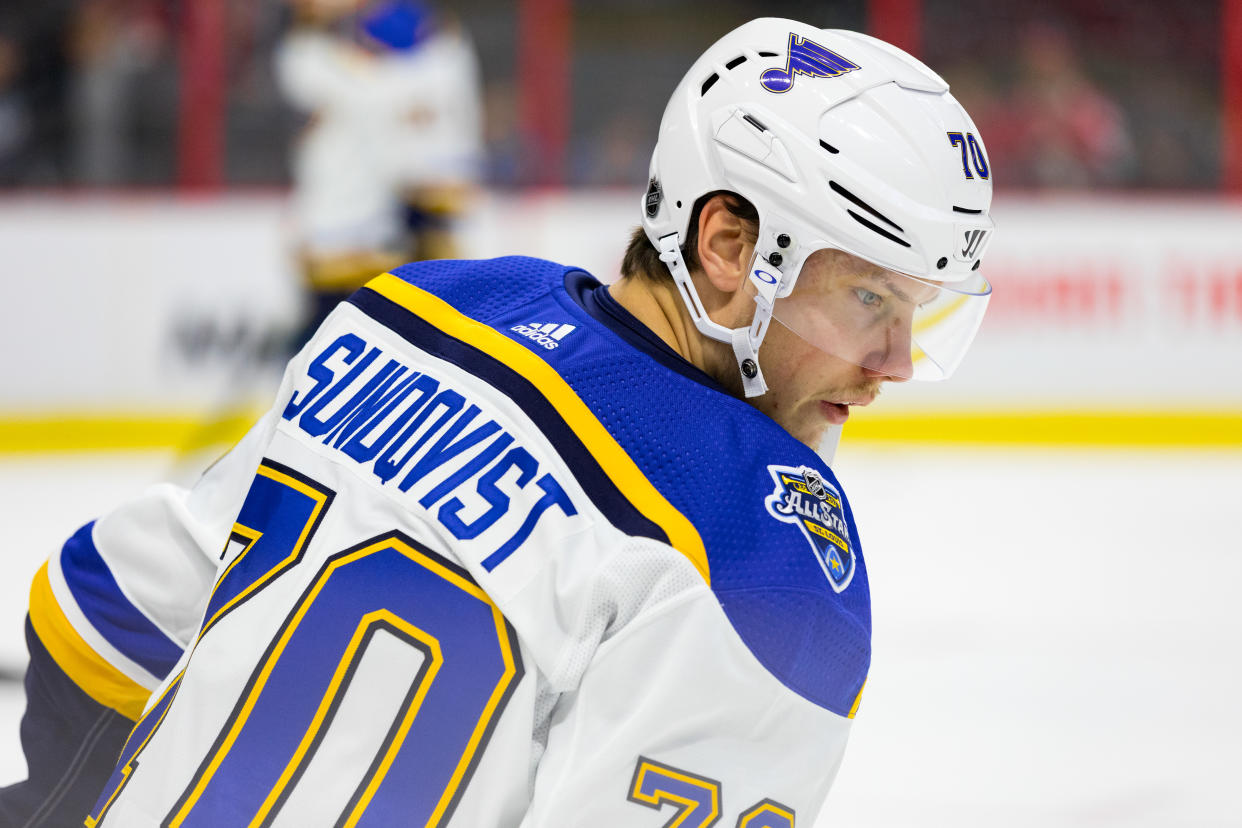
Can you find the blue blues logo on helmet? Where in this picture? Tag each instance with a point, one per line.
(802, 497)
(805, 57)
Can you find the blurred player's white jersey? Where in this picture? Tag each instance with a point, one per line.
(494, 558)
(382, 125)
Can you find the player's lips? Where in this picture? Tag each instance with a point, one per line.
(838, 412)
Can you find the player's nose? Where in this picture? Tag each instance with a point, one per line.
(893, 359)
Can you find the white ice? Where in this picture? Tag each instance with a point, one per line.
(1057, 634)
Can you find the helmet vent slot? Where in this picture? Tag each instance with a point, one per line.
(753, 121)
(733, 64)
(828, 147)
(877, 228)
(859, 202)
(957, 209)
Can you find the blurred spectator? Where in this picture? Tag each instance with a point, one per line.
(1065, 93)
(111, 43)
(1179, 139)
(33, 80)
(14, 116)
(502, 134)
(393, 147)
(1067, 132)
(617, 154)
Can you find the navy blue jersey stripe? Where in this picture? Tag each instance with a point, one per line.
(109, 611)
(589, 474)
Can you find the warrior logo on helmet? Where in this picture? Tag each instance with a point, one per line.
(805, 57)
(802, 497)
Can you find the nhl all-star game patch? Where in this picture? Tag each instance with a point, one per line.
(802, 497)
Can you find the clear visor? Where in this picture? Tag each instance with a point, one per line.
(879, 319)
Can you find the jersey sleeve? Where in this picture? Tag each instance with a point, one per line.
(111, 614)
(676, 715)
(308, 70)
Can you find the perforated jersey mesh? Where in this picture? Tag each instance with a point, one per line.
(480, 286)
(642, 575)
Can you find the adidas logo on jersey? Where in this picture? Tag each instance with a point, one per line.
(548, 335)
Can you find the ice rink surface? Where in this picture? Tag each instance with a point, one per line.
(1057, 634)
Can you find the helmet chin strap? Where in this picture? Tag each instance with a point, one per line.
(744, 341)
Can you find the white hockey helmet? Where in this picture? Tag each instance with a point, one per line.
(839, 141)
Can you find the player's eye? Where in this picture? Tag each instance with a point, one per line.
(868, 298)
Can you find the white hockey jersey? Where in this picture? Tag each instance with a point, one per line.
(382, 125)
(495, 557)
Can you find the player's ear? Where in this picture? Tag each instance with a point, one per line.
(725, 245)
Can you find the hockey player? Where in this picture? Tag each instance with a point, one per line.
(512, 548)
(392, 151)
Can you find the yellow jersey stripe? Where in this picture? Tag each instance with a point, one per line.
(857, 701)
(97, 678)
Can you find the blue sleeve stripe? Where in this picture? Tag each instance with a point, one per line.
(108, 610)
(814, 647)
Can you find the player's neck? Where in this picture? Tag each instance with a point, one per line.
(657, 305)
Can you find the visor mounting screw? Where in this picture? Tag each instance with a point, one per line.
(749, 368)
(940, 265)
(775, 259)
(783, 240)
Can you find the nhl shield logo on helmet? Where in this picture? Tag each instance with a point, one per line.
(802, 497)
(652, 199)
(805, 57)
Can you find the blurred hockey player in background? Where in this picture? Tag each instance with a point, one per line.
(392, 149)
(515, 548)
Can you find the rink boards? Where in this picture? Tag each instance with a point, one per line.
(152, 321)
